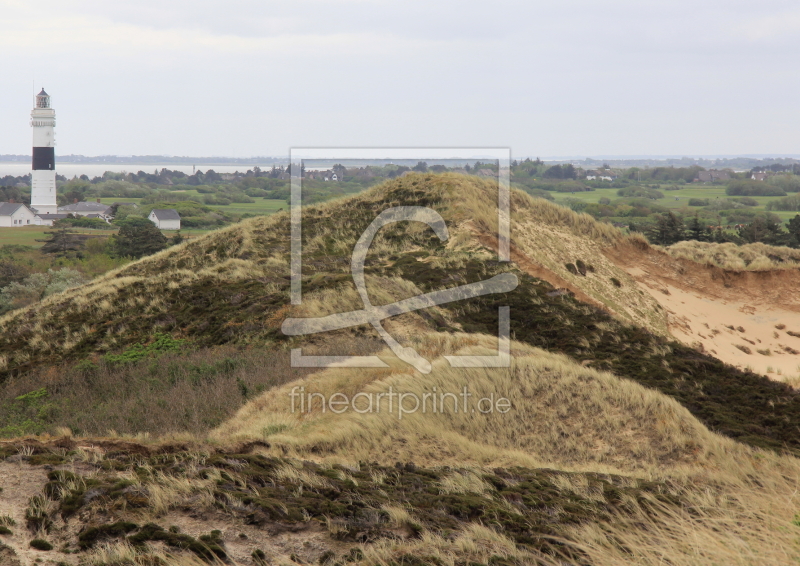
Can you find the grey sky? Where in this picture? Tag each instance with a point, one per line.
(243, 78)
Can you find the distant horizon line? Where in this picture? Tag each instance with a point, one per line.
(255, 160)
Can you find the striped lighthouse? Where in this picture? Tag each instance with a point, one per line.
(43, 176)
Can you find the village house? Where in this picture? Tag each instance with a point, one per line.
(712, 176)
(13, 215)
(759, 176)
(602, 175)
(165, 218)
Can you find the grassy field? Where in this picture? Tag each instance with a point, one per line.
(28, 235)
(675, 199)
(261, 206)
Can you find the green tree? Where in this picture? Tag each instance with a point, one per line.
(138, 237)
(561, 172)
(697, 231)
(668, 230)
(794, 230)
(62, 242)
(764, 229)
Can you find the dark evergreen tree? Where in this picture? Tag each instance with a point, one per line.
(668, 230)
(697, 231)
(765, 229)
(794, 231)
(138, 237)
(62, 242)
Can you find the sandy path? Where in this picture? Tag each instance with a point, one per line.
(20, 482)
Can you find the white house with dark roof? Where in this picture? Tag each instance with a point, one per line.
(165, 218)
(15, 215)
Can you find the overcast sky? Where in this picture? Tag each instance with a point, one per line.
(244, 78)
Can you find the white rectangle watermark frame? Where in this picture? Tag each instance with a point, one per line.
(500, 155)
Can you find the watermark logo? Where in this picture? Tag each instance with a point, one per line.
(398, 403)
(375, 315)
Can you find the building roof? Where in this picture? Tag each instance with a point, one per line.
(9, 208)
(84, 207)
(166, 214)
(52, 216)
(43, 93)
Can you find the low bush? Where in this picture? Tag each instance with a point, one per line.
(41, 544)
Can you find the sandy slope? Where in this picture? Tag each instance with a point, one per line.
(742, 318)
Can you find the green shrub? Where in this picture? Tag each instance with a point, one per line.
(640, 192)
(571, 268)
(163, 343)
(698, 202)
(41, 544)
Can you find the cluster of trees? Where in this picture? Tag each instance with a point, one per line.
(792, 168)
(791, 203)
(567, 171)
(670, 228)
(137, 237)
(9, 194)
(663, 174)
(745, 187)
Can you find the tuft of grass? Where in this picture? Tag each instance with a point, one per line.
(7, 521)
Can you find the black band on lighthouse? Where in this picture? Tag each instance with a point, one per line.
(44, 158)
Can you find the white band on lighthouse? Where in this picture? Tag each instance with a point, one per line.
(43, 167)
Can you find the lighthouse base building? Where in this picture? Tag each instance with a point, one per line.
(43, 175)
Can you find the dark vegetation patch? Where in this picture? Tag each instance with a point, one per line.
(208, 547)
(91, 535)
(529, 506)
(151, 389)
(41, 544)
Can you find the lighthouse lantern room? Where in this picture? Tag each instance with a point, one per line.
(43, 175)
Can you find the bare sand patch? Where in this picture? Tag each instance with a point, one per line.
(735, 316)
